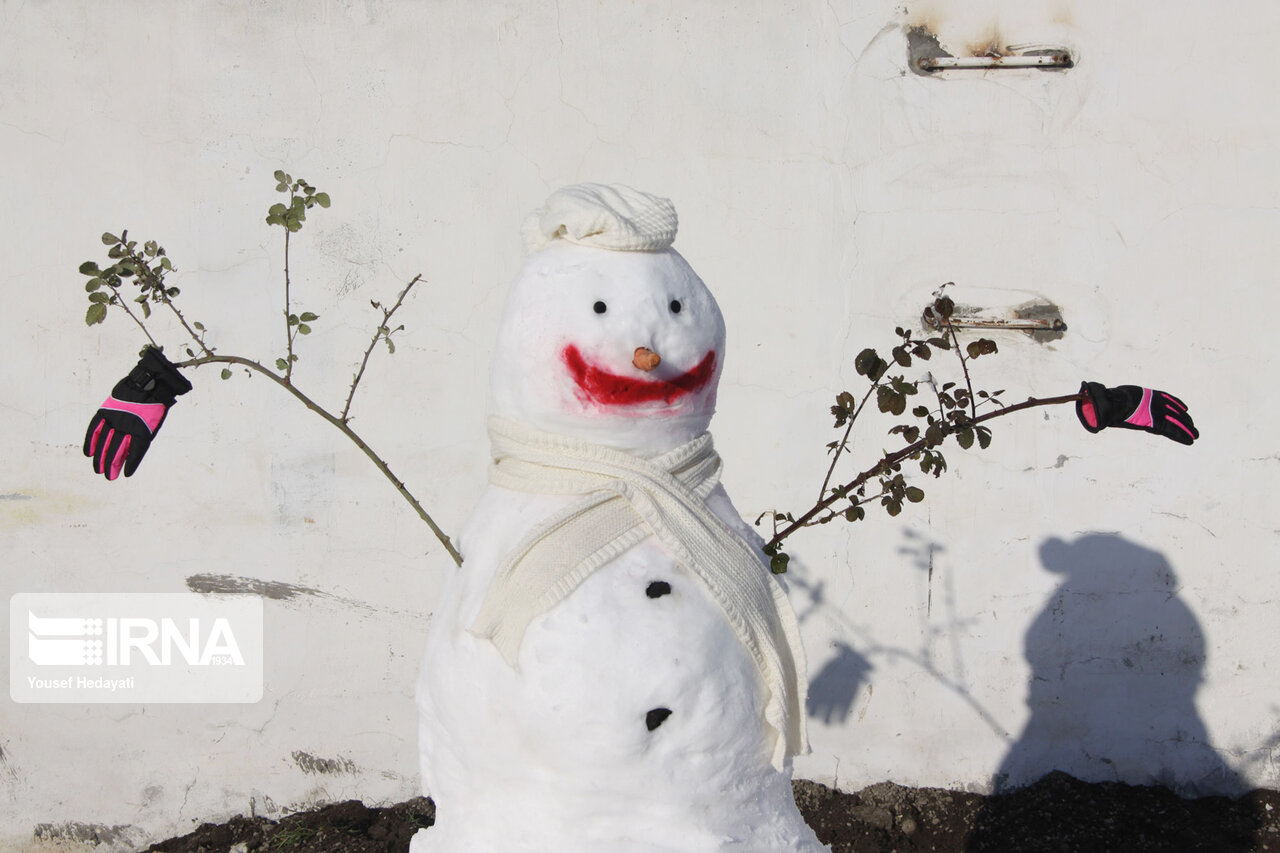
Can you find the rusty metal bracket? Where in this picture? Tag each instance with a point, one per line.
(1054, 60)
(1054, 325)
(1038, 316)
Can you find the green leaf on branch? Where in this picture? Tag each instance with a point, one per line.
(109, 239)
(778, 563)
(842, 410)
(89, 268)
(890, 401)
(865, 361)
(902, 386)
(226, 373)
(304, 329)
(915, 494)
(282, 364)
(92, 284)
(965, 438)
(96, 314)
(307, 317)
(984, 437)
(980, 347)
(322, 199)
(933, 462)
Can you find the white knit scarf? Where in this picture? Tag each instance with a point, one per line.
(624, 499)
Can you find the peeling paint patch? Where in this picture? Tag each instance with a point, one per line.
(6, 767)
(312, 764)
(1044, 311)
(922, 44)
(269, 806)
(89, 833)
(211, 584)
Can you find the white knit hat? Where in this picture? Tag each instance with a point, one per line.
(608, 216)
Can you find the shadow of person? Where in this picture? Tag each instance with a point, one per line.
(833, 690)
(1116, 660)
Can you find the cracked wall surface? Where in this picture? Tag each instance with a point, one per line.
(1045, 588)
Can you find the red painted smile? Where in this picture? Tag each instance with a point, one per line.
(610, 389)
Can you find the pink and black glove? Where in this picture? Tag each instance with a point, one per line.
(1132, 407)
(122, 429)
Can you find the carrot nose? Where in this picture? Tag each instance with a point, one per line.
(646, 359)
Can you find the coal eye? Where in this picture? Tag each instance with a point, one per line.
(600, 307)
(675, 306)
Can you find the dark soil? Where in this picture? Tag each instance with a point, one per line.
(1058, 814)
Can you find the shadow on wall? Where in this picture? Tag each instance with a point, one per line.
(1116, 660)
(835, 687)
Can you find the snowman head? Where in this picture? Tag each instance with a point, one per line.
(608, 334)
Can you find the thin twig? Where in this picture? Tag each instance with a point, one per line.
(968, 383)
(157, 286)
(183, 320)
(288, 330)
(840, 448)
(891, 459)
(386, 320)
(120, 300)
(831, 513)
(341, 426)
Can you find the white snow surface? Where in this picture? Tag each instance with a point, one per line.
(555, 754)
(551, 305)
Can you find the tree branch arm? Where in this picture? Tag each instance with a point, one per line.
(891, 459)
(343, 428)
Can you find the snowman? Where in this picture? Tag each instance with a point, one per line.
(614, 667)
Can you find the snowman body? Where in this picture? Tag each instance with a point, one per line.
(632, 717)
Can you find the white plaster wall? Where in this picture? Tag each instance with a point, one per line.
(823, 194)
